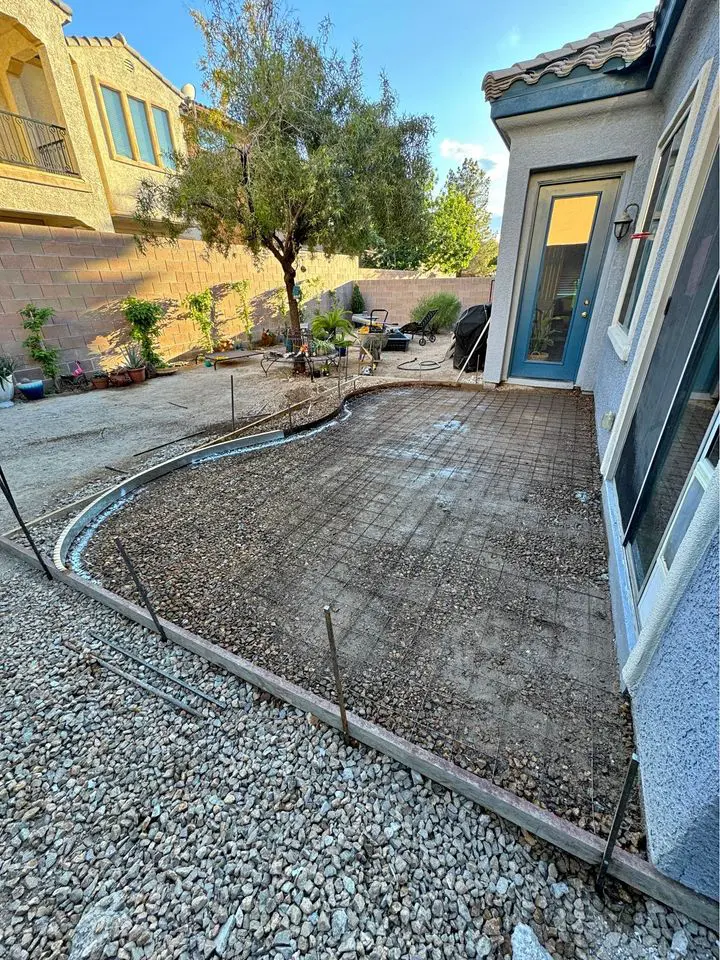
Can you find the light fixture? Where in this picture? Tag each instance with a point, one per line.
(625, 221)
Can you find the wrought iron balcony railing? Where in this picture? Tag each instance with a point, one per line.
(32, 143)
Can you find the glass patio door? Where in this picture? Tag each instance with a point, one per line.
(569, 236)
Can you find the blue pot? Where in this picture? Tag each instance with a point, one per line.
(33, 390)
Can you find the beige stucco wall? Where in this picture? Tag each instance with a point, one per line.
(27, 191)
(110, 63)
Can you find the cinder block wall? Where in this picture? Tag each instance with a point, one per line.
(398, 292)
(85, 275)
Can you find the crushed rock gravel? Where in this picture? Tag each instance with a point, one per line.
(130, 830)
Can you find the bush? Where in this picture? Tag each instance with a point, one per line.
(144, 318)
(357, 301)
(447, 306)
(34, 319)
(200, 310)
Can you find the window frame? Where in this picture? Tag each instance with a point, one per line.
(686, 212)
(148, 121)
(621, 334)
(149, 105)
(702, 470)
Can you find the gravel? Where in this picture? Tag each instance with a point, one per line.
(130, 830)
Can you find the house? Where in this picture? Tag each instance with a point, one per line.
(607, 280)
(82, 121)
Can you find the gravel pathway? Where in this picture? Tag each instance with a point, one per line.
(131, 830)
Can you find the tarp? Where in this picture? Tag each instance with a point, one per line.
(467, 330)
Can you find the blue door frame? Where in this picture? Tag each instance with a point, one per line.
(565, 367)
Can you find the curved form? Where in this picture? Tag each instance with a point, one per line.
(121, 490)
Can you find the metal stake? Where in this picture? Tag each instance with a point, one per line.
(630, 777)
(232, 398)
(336, 673)
(5, 487)
(140, 588)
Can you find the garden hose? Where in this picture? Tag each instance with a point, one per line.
(422, 365)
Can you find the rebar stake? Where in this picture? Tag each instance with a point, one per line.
(618, 818)
(232, 398)
(336, 673)
(7, 493)
(140, 588)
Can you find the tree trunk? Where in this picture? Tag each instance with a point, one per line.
(289, 276)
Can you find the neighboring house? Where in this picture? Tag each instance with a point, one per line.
(608, 280)
(82, 121)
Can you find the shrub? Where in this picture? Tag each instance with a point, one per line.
(200, 308)
(446, 304)
(332, 326)
(34, 319)
(357, 301)
(144, 318)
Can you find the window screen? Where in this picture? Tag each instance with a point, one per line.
(162, 129)
(116, 120)
(142, 129)
(684, 313)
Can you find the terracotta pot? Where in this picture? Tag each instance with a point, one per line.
(119, 380)
(137, 375)
(100, 383)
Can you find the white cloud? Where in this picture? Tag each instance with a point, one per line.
(510, 40)
(495, 164)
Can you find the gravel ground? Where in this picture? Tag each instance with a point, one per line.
(467, 576)
(131, 830)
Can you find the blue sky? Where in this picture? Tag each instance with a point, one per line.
(435, 53)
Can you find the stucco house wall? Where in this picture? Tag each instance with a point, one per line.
(25, 191)
(608, 131)
(109, 61)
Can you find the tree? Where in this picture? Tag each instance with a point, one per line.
(454, 235)
(293, 154)
(474, 184)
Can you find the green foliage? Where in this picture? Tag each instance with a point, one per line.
(332, 326)
(357, 301)
(405, 255)
(294, 153)
(542, 336)
(34, 319)
(454, 234)
(474, 184)
(132, 355)
(200, 311)
(446, 304)
(144, 318)
(242, 314)
(7, 366)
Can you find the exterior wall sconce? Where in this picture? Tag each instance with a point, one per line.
(625, 221)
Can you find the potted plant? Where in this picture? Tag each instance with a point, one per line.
(332, 327)
(7, 386)
(100, 380)
(144, 318)
(134, 363)
(542, 337)
(119, 377)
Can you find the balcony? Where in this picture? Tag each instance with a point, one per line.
(32, 143)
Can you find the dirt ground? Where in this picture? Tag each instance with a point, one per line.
(459, 541)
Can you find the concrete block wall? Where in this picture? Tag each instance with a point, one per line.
(398, 292)
(85, 275)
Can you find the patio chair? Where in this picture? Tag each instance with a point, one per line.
(423, 328)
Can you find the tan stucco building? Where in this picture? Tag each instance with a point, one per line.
(82, 121)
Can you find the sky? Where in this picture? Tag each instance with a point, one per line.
(435, 53)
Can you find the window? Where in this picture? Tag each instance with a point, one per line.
(162, 129)
(142, 129)
(649, 227)
(671, 446)
(117, 122)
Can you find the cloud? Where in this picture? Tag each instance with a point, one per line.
(494, 163)
(509, 40)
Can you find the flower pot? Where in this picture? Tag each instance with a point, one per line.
(100, 383)
(137, 374)
(119, 380)
(32, 390)
(7, 389)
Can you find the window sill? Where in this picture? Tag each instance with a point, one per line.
(143, 164)
(620, 341)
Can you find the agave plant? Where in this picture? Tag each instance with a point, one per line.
(132, 355)
(7, 366)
